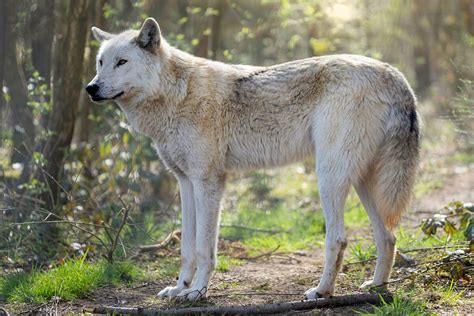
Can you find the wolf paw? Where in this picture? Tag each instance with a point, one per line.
(192, 294)
(371, 287)
(315, 293)
(170, 291)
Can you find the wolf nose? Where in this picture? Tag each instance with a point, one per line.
(92, 89)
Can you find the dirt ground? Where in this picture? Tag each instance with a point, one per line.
(276, 278)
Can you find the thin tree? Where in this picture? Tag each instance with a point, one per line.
(3, 16)
(22, 118)
(71, 30)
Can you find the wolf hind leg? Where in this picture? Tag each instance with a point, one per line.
(334, 184)
(383, 236)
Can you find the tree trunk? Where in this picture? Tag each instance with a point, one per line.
(467, 10)
(421, 50)
(69, 46)
(202, 48)
(42, 44)
(22, 117)
(221, 6)
(95, 18)
(3, 30)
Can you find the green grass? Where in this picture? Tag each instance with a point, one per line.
(285, 201)
(399, 307)
(450, 296)
(166, 267)
(362, 252)
(279, 202)
(225, 262)
(464, 157)
(71, 280)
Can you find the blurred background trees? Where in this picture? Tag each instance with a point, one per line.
(64, 159)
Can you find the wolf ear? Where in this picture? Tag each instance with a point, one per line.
(101, 35)
(149, 37)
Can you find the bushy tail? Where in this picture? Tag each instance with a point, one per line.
(397, 162)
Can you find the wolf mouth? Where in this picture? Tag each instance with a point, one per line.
(98, 99)
(118, 95)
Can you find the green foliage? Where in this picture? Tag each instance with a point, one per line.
(399, 307)
(462, 212)
(277, 209)
(38, 95)
(450, 296)
(280, 208)
(73, 279)
(359, 252)
(225, 262)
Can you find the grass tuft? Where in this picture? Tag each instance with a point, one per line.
(71, 280)
(399, 307)
(225, 262)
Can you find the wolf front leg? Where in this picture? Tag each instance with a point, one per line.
(188, 240)
(207, 194)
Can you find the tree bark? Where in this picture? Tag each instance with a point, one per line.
(421, 50)
(467, 11)
(69, 47)
(22, 117)
(3, 16)
(285, 307)
(42, 44)
(95, 18)
(221, 7)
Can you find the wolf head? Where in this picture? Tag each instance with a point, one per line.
(128, 64)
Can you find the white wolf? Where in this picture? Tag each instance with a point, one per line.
(206, 119)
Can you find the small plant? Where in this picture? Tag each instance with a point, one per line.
(463, 212)
(399, 307)
(449, 295)
(360, 253)
(224, 263)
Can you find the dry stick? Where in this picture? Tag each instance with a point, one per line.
(284, 307)
(126, 209)
(256, 294)
(254, 229)
(162, 244)
(265, 254)
(60, 222)
(409, 250)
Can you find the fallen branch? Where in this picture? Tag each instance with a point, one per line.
(284, 307)
(411, 250)
(253, 229)
(173, 236)
(265, 254)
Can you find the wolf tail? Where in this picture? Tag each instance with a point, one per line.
(397, 161)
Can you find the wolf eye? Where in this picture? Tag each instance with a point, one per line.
(121, 62)
(100, 62)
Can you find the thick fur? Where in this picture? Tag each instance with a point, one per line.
(207, 119)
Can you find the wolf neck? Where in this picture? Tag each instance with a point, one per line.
(184, 81)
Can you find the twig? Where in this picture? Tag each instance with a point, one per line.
(409, 250)
(126, 210)
(284, 307)
(265, 254)
(432, 248)
(61, 222)
(256, 294)
(162, 244)
(3, 312)
(254, 229)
